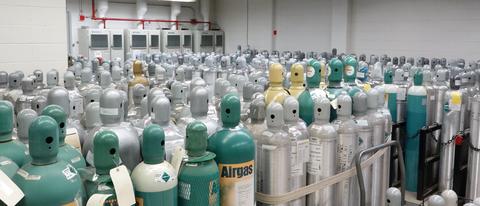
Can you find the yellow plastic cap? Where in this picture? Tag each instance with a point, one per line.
(456, 98)
(275, 74)
(296, 73)
(137, 67)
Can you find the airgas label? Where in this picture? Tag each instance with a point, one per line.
(237, 184)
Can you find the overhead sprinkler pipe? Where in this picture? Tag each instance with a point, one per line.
(142, 21)
(175, 11)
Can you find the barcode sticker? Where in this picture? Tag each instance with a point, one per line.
(10, 193)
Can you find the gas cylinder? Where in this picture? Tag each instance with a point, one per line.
(436, 200)
(86, 81)
(273, 149)
(416, 119)
(76, 100)
(334, 88)
(275, 91)
(154, 180)
(138, 77)
(14, 88)
(473, 174)
(365, 134)
(297, 90)
(248, 91)
(199, 110)
(105, 80)
(8, 167)
(179, 107)
(24, 119)
(111, 106)
(118, 79)
(450, 197)
(134, 112)
(161, 117)
(347, 146)
(38, 103)
(91, 95)
(391, 94)
(256, 122)
(427, 83)
(321, 164)
(394, 197)
(92, 118)
(350, 71)
(440, 87)
(476, 201)
(45, 171)
(450, 128)
(66, 152)
(401, 95)
(3, 84)
(152, 94)
(299, 137)
(199, 180)
(314, 70)
(235, 151)
(24, 101)
(60, 96)
(10, 148)
(106, 149)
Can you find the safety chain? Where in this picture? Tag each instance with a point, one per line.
(472, 147)
(443, 143)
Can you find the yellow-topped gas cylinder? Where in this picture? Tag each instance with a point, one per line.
(275, 91)
(138, 75)
(296, 80)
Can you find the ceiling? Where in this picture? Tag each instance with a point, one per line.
(149, 2)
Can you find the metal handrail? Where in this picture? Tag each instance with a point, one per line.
(358, 161)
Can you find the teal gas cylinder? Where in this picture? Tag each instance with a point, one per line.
(154, 179)
(235, 155)
(47, 180)
(297, 89)
(416, 119)
(350, 70)
(10, 148)
(198, 180)
(106, 157)
(7, 166)
(66, 152)
(390, 94)
(334, 88)
(314, 72)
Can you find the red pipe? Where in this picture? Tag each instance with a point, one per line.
(177, 22)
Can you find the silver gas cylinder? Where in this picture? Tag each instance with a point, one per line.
(105, 80)
(387, 116)
(86, 82)
(256, 117)
(347, 146)
(450, 197)
(118, 79)
(476, 201)
(322, 162)
(365, 135)
(3, 84)
(134, 112)
(440, 86)
(52, 81)
(299, 137)
(436, 200)
(38, 103)
(401, 94)
(14, 88)
(161, 116)
(473, 174)
(59, 96)
(450, 128)
(199, 111)
(152, 94)
(111, 106)
(160, 78)
(179, 107)
(273, 149)
(38, 79)
(24, 119)
(248, 90)
(76, 100)
(394, 197)
(24, 101)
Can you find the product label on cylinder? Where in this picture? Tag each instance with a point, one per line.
(346, 148)
(318, 163)
(237, 186)
(401, 93)
(76, 106)
(310, 71)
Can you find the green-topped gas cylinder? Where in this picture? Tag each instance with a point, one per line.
(275, 91)
(416, 119)
(47, 180)
(13, 149)
(235, 155)
(66, 152)
(390, 93)
(155, 180)
(297, 90)
(106, 157)
(198, 179)
(334, 88)
(314, 71)
(7, 166)
(350, 71)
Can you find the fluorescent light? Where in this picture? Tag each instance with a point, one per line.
(180, 0)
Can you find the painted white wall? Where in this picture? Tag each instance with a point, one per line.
(122, 10)
(32, 35)
(432, 28)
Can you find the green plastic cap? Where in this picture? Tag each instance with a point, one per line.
(106, 151)
(43, 140)
(314, 69)
(230, 108)
(56, 112)
(196, 139)
(388, 76)
(350, 70)
(153, 146)
(336, 70)
(6, 121)
(418, 78)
